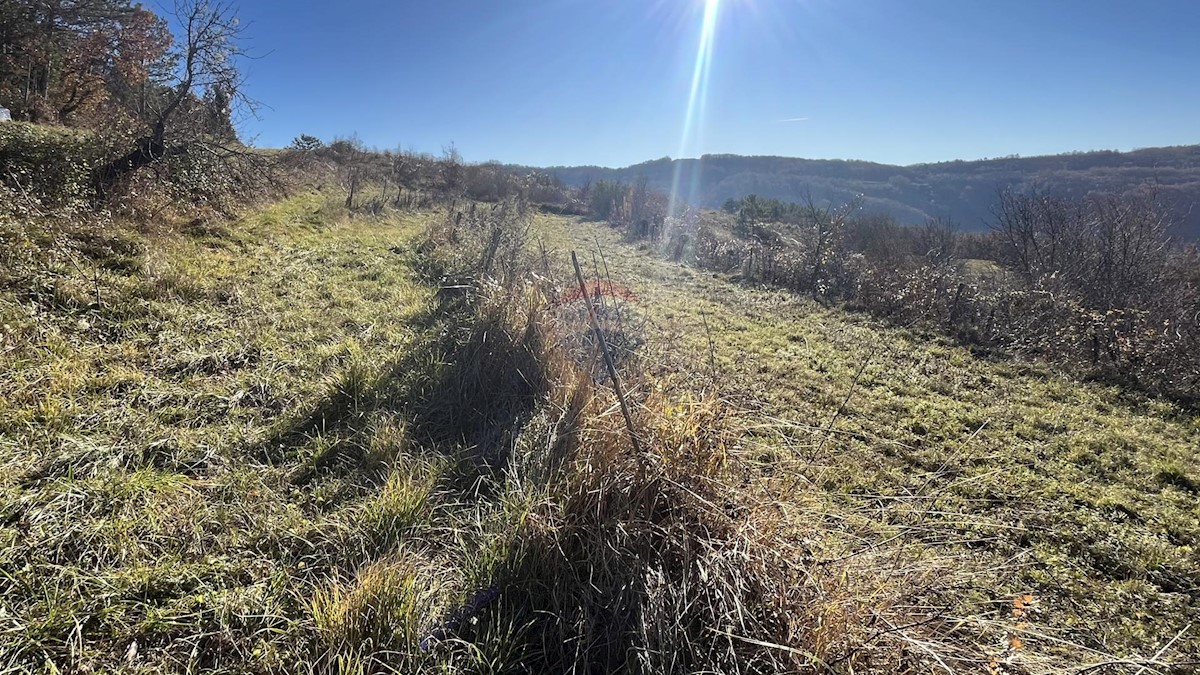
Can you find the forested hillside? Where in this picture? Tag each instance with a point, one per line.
(962, 191)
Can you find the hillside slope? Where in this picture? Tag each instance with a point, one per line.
(1081, 494)
(962, 190)
(300, 442)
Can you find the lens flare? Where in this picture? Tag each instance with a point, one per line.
(693, 119)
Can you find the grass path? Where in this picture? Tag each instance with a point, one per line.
(148, 522)
(1078, 493)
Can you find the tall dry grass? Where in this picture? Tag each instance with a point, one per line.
(684, 557)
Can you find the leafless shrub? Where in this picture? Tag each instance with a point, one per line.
(635, 209)
(1109, 250)
(350, 156)
(937, 240)
(451, 172)
(1092, 284)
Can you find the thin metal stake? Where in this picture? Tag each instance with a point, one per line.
(608, 359)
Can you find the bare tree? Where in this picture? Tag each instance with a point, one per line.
(1040, 233)
(1125, 251)
(351, 158)
(828, 225)
(645, 215)
(1109, 250)
(937, 240)
(406, 169)
(207, 87)
(451, 171)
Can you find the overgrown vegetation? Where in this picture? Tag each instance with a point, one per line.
(365, 430)
(403, 179)
(45, 167)
(382, 426)
(149, 101)
(1092, 285)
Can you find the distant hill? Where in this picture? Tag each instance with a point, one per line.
(963, 190)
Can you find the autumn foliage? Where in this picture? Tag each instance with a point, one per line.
(81, 62)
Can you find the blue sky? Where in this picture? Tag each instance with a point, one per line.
(554, 82)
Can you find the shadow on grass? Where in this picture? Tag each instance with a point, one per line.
(465, 390)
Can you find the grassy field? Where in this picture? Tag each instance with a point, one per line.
(167, 482)
(298, 443)
(1080, 494)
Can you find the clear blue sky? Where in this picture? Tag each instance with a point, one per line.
(549, 82)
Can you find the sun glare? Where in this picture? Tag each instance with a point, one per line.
(693, 119)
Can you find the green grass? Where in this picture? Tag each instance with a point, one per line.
(1082, 494)
(276, 445)
(142, 499)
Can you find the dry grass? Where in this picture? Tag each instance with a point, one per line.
(685, 558)
(310, 443)
(1007, 477)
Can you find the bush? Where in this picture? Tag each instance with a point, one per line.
(1090, 284)
(49, 166)
(604, 199)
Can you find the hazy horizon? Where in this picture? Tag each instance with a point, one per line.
(858, 159)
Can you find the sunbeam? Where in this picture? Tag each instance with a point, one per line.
(693, 119)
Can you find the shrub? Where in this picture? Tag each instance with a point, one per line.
(48, 165)
(1089, 284)
(306, 143)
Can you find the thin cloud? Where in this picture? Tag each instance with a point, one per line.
(792, 119)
